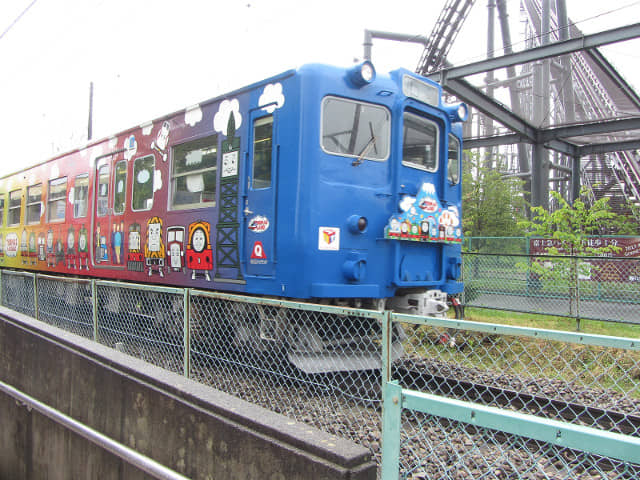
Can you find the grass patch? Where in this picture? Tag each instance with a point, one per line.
(548, 322)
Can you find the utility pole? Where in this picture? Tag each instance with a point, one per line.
(90, 125)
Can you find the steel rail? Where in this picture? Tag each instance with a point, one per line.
(127, 454)
(607, 420)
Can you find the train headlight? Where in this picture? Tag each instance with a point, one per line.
(357, 224)
(362, 74)
(458, 112)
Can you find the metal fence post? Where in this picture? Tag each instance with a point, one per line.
(387, 339)
(35, 296)
(187, 335)
(391, 423)
(94, 309)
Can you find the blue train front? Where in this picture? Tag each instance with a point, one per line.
(353, 191)
(353, 198)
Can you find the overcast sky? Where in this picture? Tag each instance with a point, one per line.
(151, 58)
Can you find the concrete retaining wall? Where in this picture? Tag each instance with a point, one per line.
(195, 430)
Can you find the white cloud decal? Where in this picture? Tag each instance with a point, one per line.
(146, 128)
(406, 203)
(55, 172)
(113, 142)
(157, 181)
(227, 107)
(272, 97)
(192, 115)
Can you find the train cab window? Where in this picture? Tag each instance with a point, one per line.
(81, 196)
(34, 203)
(102, 205)
(355, 129)
(120, 187)
(262, 142)
(15, 207)
(453, 162)
(420, 143)
(57, 199)
(193, 173)
(1, 210)
(142, 191)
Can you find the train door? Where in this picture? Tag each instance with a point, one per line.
(108, 236)
(260, 201)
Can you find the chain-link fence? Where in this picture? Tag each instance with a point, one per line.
(594, 288)
(19, 292)
(144, 322)
(494, 394)
(316, 364)
(66, 303)
(321, 365)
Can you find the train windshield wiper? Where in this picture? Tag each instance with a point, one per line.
(367, 147)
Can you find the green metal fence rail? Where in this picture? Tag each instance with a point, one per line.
(477, 400)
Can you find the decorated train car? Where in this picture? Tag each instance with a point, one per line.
(327, 184)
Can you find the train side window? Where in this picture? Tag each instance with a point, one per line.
(1, 210)
(453, 162)
(34, 203)
(102, 205)
(81, 196)
(120, 187)
(420, 143)
(15, 207)
(143, 173)
(57, 199)
(193, 173)
(262, 143)
(355, 129)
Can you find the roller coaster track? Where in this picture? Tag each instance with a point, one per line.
(601, 93)
(443, 35)
(598, 89)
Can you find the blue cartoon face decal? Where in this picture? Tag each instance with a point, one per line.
(424, 220)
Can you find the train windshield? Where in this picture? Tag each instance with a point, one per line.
(355, 129)
(420, 143)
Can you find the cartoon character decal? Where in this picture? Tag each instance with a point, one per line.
(33, 253)
(83, 248)
(424, 220)
(154, 252)
(175, 249)
(42, 248)
(135, 257)
(199, 252)
(162, 140)
(102, 252)
(59, 252)
(117, 243)
(71, 258)
(24, 249)
(51, 253)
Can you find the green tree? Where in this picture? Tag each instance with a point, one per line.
(492, 204)
(572, 225)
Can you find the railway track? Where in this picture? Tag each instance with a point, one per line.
(609, 419)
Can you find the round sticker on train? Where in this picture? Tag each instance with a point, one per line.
(259, 224)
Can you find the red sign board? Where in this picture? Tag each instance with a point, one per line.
(607, 269)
